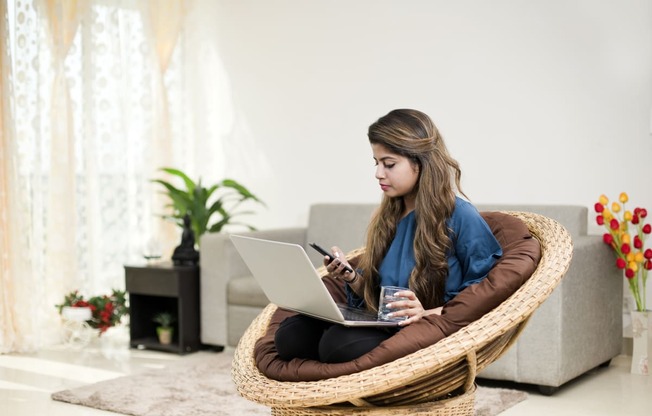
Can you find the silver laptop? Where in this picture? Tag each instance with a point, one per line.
(290, 281)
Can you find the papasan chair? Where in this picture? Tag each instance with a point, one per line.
(431, 368)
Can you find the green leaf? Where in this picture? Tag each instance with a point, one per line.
(181, 200)
(217, 227)
(210, 208)
(212, 189)
(190, 185)
(230, 183)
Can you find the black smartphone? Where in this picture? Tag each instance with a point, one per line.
(326, 253)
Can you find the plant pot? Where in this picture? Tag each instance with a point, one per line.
(642, 342)
(164, 335)
(76, 313)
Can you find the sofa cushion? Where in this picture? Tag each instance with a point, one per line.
(572, 217)
(521, 254)
(344, 225)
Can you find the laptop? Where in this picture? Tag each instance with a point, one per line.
(288, 278)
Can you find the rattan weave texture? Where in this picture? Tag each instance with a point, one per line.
(430, 374)
(462, 405)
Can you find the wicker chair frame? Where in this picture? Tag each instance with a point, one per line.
(437, 380)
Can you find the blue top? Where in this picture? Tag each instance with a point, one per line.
(475, 251)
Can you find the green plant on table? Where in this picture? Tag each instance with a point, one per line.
(164, 319)
(223, 199)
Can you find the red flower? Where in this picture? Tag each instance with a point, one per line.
(628, 242)
(608, 238)
(625, 248)
(620, 263)
(105, 316)
(614, 224)
(106, 311)
(80, 304)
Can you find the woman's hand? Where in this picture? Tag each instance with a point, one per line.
(411, 307)
(336, 268)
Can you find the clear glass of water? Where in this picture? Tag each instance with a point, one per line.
(387, 296)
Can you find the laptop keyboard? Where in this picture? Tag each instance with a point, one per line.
(353, 314)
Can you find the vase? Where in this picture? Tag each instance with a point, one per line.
(164, 335)
(642, 344)
(75, 331)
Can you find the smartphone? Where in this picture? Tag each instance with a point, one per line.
(326, 253)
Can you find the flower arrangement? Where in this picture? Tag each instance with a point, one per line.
(631, 255)
(106, 311)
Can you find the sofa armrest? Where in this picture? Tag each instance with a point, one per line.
(576, 329)
(592, 307)
(220, 262)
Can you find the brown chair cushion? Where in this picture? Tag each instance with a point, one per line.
(521, 254)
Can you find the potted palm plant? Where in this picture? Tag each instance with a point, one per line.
(165, 330)
(209, 208)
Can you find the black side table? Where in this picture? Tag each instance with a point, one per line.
(163, 288)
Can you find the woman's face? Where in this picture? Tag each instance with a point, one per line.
(396, 174)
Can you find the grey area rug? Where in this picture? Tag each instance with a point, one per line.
(203, 387)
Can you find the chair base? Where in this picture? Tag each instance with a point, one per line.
(462, 405)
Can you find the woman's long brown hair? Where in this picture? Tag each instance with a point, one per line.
(412, 134)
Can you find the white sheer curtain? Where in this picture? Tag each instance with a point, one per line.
(95, 98)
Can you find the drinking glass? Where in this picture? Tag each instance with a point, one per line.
(387, 296)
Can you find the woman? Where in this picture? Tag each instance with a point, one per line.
(422, 237)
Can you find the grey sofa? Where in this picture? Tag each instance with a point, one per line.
(578, 328)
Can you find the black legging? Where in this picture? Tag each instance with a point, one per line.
(301, 336)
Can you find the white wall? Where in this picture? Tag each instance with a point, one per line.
(542, 101)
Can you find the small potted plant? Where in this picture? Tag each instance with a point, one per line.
(165, 329)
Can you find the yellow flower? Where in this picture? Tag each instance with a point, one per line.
(628, 215)
(608, 216)
(629, 246)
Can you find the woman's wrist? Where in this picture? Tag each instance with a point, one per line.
(355, 277)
